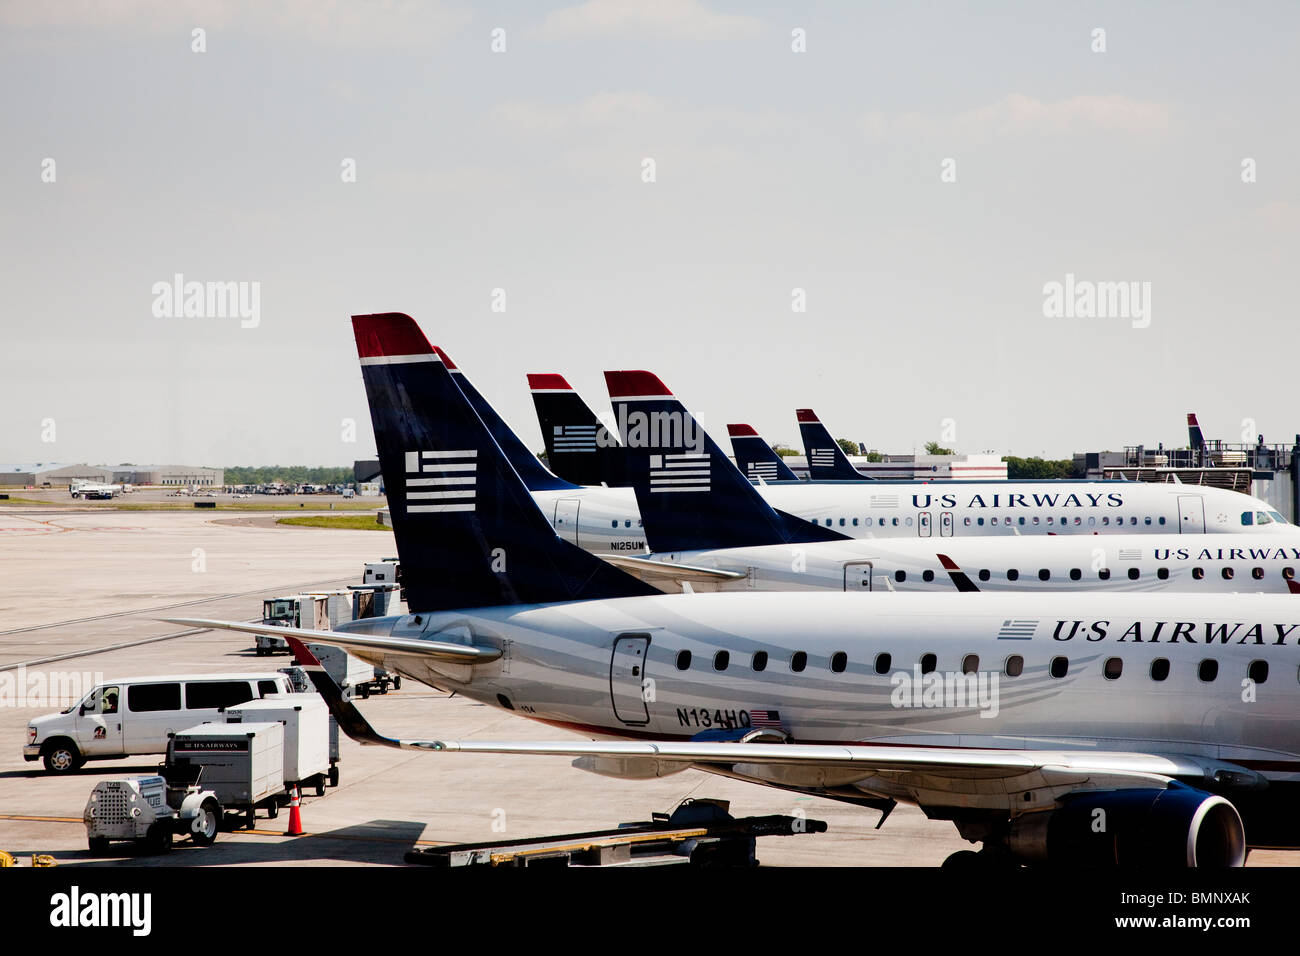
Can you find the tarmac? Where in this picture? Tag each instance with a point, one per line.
(82, 593)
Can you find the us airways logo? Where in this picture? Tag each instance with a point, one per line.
(683, 472)
(575, 438)
(441, 480)
(822, 457)
(762, 469)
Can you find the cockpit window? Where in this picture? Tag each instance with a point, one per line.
(1262, 518)
(1247, 517)
(1277, 517)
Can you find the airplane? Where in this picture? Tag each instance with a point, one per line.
(579, 447)
(606, 520)
(682, 532)
(826, 459)
(1102, 729)
(755, 457)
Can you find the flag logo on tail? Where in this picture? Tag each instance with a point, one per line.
(441, 480)
(575, 438)
(762, 469)
(823, 457)
(682, 472)
(1017, 630)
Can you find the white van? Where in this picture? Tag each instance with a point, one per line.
(134, 715)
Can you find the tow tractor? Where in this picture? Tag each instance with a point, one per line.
(151, 810)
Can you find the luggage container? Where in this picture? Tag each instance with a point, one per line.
(306, 722)
(242, 764)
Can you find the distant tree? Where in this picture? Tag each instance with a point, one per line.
(875, 456)
(1020, 468)
(783, 451)
(286, 474)
(933, 448)
(850, 447)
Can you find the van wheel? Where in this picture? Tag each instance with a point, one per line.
(207, 823)
(62, 756)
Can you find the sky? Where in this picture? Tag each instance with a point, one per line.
(859, 208)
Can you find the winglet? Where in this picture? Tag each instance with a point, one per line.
(958, 576)
(352, 721)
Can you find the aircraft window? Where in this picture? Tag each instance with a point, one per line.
(970, 664)
(1035, 519)
(1133, 520)
(1247, 517)
(882, 663)
(839, 661)
(638, 522)
(1261, 518)
(1208, 670)
(1113, 667)
(1162, 574)
(1162, 519)
(928, 663)
(1013, 574)
(900, 576)
(867, 522)
(1078, 521)
(1060, 667)
(1257, 574)
(1044, 574)
(1159, 668)
(627, 523)
(966, 521)
(841, 522)
(1022, 519)
(1105, 519)
(927, 575)
(721, 660)
(1147, 520)
(759, 661)
(993, 520)
(1134, 574)
(1091, 521)
(683, 660)
(1258, 671)
(614, 523)
(1103, 574)
(1227, 574)
(798, 661)
(1075, 574)
(1015, 666)
(855, 522)
(1198, 573)
(984, 574)
(1049, 519)
(909, 522)
(1288, 574)
(1277, 517)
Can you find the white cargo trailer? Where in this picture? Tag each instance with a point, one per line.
(306, 722)
(243, 764)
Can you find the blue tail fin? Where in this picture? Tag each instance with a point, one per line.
(690, 494)
(826, 459)
(755, 457)
(468, 531)
(534, 474)
(1194, 436)
(579, 448)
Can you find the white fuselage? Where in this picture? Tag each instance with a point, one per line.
(1210, 564)
(1121, 672)
(603, 520)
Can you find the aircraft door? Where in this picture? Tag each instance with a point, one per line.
(566, 519)
(945, 524)
(857, 576)
(627, 680)
(1191, 514)
(923, 524)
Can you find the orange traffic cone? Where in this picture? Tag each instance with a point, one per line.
(295, 815)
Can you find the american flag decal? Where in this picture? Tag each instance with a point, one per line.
(441, 480)
(823, 457)
(884, 501)
(1130, 554)
(762, 469)
(769, 719)
(682, 472)
(1017, 630)
(575, 438)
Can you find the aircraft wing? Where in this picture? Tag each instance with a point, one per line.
(659, 572)
(365, 646)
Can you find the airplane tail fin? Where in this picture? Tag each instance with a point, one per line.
(534, 474)
(468, 531)
(579, 448)
(690, 494)
(755, 457)
(1195, 439)
(826, 459)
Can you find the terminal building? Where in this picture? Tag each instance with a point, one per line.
(181, 476)
(53, 475)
